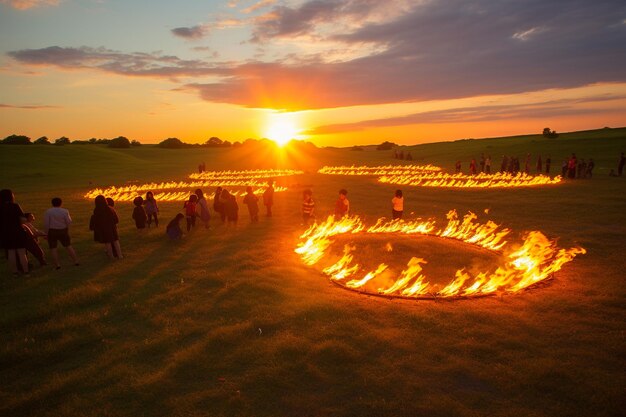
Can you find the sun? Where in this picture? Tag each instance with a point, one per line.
(282, 127)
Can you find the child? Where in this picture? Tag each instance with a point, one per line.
(397, 205)
(308, 205)
(230, 207)
(342, 206)
(173, 229)
(139, 213)
(190, 211)
(56, 225)
(203, 208)
(32, 244)
(151, 209)
(251, 201)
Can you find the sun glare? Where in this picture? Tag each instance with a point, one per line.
(282, 127)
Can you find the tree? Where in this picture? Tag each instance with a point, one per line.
(385, 146)
(119, 142)
(16, 140)
(549, 133)
(42, 141)
(135, 143)
(62, 141)
(172, 143)
(214, 141)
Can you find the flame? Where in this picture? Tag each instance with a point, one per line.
(180, 190)
(378, 170)
(536, 259)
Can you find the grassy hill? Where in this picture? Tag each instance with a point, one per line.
(229, 322)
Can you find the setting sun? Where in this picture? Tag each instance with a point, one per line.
(282, 127)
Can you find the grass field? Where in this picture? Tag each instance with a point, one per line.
(229, 322)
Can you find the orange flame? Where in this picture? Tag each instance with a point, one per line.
(535, 260)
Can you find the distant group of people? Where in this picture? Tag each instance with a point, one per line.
(402, 155)
(573, 167)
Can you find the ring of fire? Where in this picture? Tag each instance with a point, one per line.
(527, 263)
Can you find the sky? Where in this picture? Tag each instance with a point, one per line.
(333, 72)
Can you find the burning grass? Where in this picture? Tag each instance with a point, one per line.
(523, 265)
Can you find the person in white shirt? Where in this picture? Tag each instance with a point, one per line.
(397, 205)
(56, 222)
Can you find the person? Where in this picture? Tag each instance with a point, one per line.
(564, 167)
(581, 169)
(203, 208)
(571, 166)
(110, 202)
(268, 198)
(308, 206)
(482, 162)
(457, 166)
(251, 201)
(152, 210)
(620, 165)
(32, 242)
(230, 207)
(590, 166)
(103, 223)
(548, 162)
(409, 157)
(397, 205)
(56, 222)
(401, 155)
(342, 205)
(173, 229)
(505, 163)
(218, 204)
(139, 213)
(527, 164)
(539, 164)
(190, 211)
(12, 235)
(488, 164)
(472, 167)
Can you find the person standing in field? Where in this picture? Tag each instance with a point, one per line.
(173, 229)
(218, 204)
(472, 167)
(457, 167)
(32, 242)
(12, 235)
(203, 209)
(590, 166)
(230, 207)
(139, 213)
(190, 211)
(152, 210)
(505, 163)
(103, 223)
(308, 207)
(581, 169)
(252, 201)
(539, 164)
(571, 166)
(342, 205)
(488, 164)
(56, 223)
(397, 205)
(548, 162)
(620, 165)
(268, 198)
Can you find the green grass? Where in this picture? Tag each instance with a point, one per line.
(173, 329)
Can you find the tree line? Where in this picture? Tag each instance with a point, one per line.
(118, 142)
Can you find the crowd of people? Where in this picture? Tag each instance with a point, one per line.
(19, 236)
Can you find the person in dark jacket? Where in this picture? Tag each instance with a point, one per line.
(12, 235)
(139, 213)
(230, 207)
(218, 204)
(252, 201)
(104, 225)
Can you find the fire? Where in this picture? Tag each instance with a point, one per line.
(431, 176)
(180, 190)
(536, 259)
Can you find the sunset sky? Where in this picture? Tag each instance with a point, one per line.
(335, 72)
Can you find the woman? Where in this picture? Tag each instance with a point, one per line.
(104, 225)
(203, 206)
(218, 204)
(12, 235)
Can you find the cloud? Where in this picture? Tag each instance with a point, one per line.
(554, 108)
(26, 107)
(29, 4)
(258, 5)
(191, 33)
(427, 50)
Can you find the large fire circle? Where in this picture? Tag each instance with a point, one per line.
(521, 265)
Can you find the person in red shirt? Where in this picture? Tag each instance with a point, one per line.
(342, 206)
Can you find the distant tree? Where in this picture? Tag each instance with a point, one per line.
(226, 143)
(81, 142)
(172, 143)
(236, 143)
(62, 141)
(42, 141)
(93, 140)
(16, 140)
(357, 148)
(135, 143)
(385, 146)
(119, 142)
(549, 133)
(214, 141)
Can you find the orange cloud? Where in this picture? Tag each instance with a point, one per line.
(29, 4)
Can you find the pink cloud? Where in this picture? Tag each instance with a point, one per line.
(29, 4)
